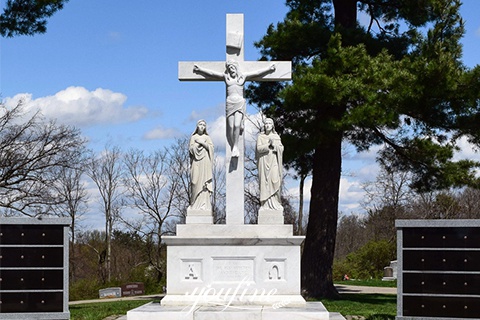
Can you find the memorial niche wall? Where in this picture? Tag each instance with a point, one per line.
(34, 268)
(439, 269)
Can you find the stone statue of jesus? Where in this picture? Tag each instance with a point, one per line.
(235, 106)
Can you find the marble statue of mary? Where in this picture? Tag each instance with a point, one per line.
(201, 160)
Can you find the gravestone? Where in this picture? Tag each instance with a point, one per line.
(133, 289)
(233, 271)
(390, 272)
(108, 293)
(34, 268)
(438, 269)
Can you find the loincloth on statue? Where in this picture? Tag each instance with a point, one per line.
(237, 105)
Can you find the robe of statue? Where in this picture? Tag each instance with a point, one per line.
(201, 172)
(269, 162)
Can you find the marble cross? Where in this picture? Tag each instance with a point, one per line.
(234, 72)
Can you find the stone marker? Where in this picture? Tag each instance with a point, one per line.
(107, 293)
(133, 289)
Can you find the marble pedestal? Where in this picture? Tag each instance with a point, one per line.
(199, 216)
(233, 264)
(267, 216)
(233, 272)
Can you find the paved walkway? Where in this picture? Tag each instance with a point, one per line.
(147, 297)
(341, 289)
(360, 289)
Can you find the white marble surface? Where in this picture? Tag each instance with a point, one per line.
(234, 231)
(195, 216)
(251, 264)
(189, 71)
(270, 217)
(154, 311)
(244, 268)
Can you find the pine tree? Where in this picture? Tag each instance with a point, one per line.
(397, 82)
(27, 17)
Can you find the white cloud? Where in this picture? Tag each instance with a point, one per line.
(467, 150)
(207, 113)
(80, 107)
(162, 133)
(351, 195)
(368, 172)
(216, 131)
(294, 190)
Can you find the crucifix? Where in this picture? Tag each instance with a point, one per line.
(234, 72)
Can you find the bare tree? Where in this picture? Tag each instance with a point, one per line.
(70, 186)
(177, 155)
(106, 173)
(351, 235)
(390, 188)
(470, 204)
(152, 183)
(32, 150)
(252, 188)
(219, 187)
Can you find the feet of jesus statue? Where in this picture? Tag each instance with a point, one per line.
(235, 152)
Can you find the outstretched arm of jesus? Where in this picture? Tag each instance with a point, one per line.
(207, 72)
(260, 72)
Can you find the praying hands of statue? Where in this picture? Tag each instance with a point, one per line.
(202, 143)
(272, 146)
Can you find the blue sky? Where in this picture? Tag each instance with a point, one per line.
(110, 68)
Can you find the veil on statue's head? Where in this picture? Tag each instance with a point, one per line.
(196, 127)
(273, 125)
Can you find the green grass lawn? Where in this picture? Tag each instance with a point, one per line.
(369, 283)
(371, 306)
(101, 310)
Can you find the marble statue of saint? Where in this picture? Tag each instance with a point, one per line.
(235, 106)
(201, 159)
(269, 153)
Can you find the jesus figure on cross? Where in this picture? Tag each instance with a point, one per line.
(235, 106)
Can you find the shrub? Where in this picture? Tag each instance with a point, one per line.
(366, 263)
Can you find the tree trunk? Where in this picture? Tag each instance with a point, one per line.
(300, 205)
(73, 274)
(317, 258)
(319, 248)
(108, 245)
(345, 13)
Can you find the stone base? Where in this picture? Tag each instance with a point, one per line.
(199, 216)
(234, 300)
(389, 279)
(267, 216)
(208, 262)
(154, 311)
